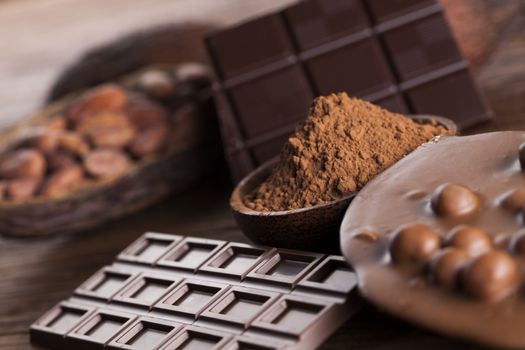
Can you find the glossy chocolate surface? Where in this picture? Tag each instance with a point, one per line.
(399, 54)
(454, 190)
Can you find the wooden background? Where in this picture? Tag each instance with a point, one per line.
(39, 38)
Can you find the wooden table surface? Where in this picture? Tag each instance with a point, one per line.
(37, 273)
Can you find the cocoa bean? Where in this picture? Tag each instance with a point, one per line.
(63, 181)
(25, 162)
(106, 163)
(109, 97)
(23, 188)
(149, 141)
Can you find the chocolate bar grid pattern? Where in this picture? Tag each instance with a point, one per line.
(173, 292)
(398, 54)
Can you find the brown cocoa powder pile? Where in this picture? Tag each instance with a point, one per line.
(342, 145)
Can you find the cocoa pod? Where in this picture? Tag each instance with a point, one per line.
(109, 97)
(150, 141)
(63, 181)
(25, 162)
(106, 163)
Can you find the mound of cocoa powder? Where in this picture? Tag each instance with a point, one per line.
(343, 144)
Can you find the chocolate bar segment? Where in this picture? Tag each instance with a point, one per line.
(144, 333)
(190, 254)
(316, 22)
(98, 329)
(201, 294)
(145, 290)
(105, 283)
(191, 297)
(52, 327)
(149, 248)
(396, 54)
(250, 45)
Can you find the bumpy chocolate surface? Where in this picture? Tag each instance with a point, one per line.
(438, 238)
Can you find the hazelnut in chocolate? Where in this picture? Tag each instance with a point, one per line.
(447, 222)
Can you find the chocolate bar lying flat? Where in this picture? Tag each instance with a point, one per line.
(398, 54)
(173, 292)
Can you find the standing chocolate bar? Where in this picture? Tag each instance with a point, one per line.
(398, 54)
(173, 292)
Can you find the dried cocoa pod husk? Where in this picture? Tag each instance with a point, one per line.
(23, 163)
(108, 97)
(63, 181)
(107, 163)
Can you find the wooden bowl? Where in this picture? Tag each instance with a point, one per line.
(314, 228)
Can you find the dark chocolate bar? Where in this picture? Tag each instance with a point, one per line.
(173, 292)
(398, 54)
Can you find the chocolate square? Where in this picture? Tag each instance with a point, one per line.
(148, 248)
(268, 149)
(249, 45)
(251, 343)
(284, 268)
(52, 327)
(439, 97)
(237, 307)
(382, 10)
(191, 337)
(318, 21)
(421, 46)
(291, 315)
(191, 253)
(393, 103)
(144, 333)
(146, 290)
(235, 260)
(333, 275)
(98, 329)
(362, 69)
(105, 283)
(273, 101)
(191, 297)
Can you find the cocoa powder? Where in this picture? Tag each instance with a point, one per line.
(343, 144)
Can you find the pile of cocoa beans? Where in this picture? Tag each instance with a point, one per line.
(99, 135)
